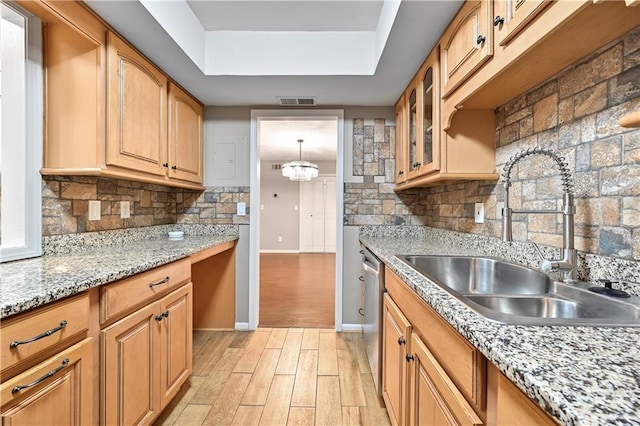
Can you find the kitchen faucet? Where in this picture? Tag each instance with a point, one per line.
(567, 265)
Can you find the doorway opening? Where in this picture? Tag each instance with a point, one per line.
(296, 237)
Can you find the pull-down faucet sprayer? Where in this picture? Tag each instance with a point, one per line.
(567, 265)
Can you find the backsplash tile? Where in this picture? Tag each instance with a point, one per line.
(65, 204)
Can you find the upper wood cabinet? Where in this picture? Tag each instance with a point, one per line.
(401, 169)
(137, 114)
(185, 136)
(109, 110)
(466, 44)
(511, 16)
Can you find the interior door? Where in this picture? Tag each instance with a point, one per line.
(318, 215)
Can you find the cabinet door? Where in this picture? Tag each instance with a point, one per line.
(130, 368)
(429, 139)
(401, 142)
(185, 136)
(433, 398)
(414, 128)
(175, 341)
(466, 44)
(58, 391)
(137, 113)
(395, 337)
(513, 15)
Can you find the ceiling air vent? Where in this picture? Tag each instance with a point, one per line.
(297, 100)
(276, 167)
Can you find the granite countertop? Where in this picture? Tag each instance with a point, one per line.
(579, 375)
(27, 284)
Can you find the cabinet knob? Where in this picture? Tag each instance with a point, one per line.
(400, 173)
(418, 164)
(498, 20)
(401, 341)
(481, 39)
(159, 317)
(174, 167)
(361, 278)
(165, 314)
(165, 165)
(409, 357)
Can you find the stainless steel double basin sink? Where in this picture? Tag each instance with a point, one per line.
(514, 294)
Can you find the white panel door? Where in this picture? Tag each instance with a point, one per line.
(318, 215)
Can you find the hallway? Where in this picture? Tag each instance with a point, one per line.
(297, 290)
(277, 376)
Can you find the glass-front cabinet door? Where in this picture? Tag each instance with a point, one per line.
(412, 110)
(427, 117)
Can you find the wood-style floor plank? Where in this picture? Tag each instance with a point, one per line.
(351, 390)
(327, 355)
(328, 405)
(227, 403)
(289, 358)
(310, 338)
(253, 351)
(330, 382)
(247, 415)
(213, 384)
(181, 400)
(258, 388)
(277, 338)
(297, 290)
(375, 404)
(276, 408)
(193, 414)
(301, 416)
(304, 389)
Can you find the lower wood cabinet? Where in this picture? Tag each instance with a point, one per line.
(58, 391)
(396, 335)
(146, 357)
(433, 397)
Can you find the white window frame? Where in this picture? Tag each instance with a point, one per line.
(31, 244)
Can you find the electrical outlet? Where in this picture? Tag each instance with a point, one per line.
(94, 209)
(125, 210)
(279, 239)
(479, 212)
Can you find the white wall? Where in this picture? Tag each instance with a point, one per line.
(227, 130)
(279, 214)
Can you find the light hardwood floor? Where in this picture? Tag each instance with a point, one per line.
(277, 376)
(297, 290)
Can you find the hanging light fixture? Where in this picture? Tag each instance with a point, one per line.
(300, 170)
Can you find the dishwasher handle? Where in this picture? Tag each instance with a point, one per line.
(368, 267)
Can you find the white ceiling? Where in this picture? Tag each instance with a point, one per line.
(278, 140)
(412, 34)
(301, 15)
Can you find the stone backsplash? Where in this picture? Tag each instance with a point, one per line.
(65, 203)
(576, 114)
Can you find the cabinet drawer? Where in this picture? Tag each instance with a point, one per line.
(56, 391)
(464, 363)
(122, 296)
(31, 334)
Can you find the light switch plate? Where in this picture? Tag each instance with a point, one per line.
(125, 211)
(94, 209)
(242, 209)
(479, 212)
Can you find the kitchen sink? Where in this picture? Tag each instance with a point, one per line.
(514, 294)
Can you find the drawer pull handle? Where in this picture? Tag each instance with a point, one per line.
(17, 343)
(401, 341)
(162, 281)
(51, 373)
(409, 357)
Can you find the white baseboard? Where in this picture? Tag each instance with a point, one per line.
(280, 251)
(242, 326)
(352, 327)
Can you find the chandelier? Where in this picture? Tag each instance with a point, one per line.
(300, 170)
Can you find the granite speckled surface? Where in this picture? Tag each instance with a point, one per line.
(84, 264)
(580, 375)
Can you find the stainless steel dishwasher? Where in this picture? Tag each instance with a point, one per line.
(373, 272)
